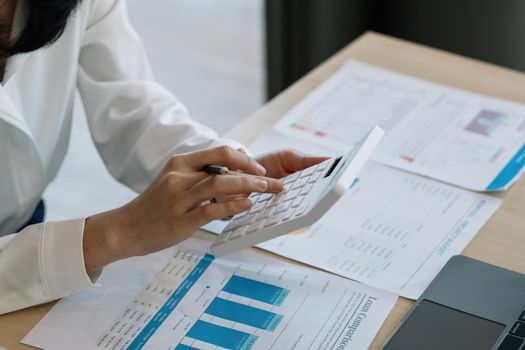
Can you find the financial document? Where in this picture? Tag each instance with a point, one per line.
(185, 299)
(392, 229)
(466, 139)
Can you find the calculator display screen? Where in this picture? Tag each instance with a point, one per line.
(332, 168)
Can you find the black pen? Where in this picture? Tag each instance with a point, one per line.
(216, 169)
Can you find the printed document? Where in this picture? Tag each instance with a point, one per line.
(392, 229)
(185, 299)
(466, 139)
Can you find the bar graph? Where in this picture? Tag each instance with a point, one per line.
(221, 336)
(197, 302)
(173, 300)
(256, 290)
(244, 314)
(239, 313)
(233, 311)
(185, 347)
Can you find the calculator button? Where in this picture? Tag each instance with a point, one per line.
(265, 213)
(288, 187)
(279, 196)
(323, 165)
(268, 222)
(293, 176)
(281, 208)
(300, 183)
(292, 194)
(297, 201)
(238, 232)
(308, 171)
(272, 220)
(315, 177)
(265, 197)
(240, 222)
(306, 189)
(223, 237)
(522, 316)
(255, 226)
(288, 180)
(276, 200)
(302, 209)
(254, 201)
(258, 207)
(288, 214)
(240, 215)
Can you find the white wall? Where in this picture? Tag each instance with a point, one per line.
(208, 52)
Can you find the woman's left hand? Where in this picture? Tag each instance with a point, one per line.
(285, 162)
(279, 164)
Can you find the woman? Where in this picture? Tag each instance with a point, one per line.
(49, 50)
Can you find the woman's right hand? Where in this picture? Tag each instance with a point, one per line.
(174, 206)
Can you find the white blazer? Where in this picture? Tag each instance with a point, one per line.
(135, 123)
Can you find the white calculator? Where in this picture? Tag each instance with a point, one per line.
(307, 195)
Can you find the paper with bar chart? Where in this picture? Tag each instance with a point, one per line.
(466, 139)
(198, 302)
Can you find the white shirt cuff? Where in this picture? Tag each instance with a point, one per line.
(63, 267)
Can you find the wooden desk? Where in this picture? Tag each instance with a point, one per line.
(500, 242)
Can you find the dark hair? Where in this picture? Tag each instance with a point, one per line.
(45, 23)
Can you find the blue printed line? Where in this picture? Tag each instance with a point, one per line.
(174, 299)
(509, 171)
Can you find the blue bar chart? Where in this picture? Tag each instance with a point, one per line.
(174, 299)
(221, 336)
(197, 302)
(256, 290)
(237, 312)
(245, 314)
(185, 347)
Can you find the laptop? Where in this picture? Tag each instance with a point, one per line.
(469, 305)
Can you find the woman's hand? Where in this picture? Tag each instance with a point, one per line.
(282, 163)
(176, 204)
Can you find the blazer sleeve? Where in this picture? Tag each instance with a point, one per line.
(41, 263)
(136, 124)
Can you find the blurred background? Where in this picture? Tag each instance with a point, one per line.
(225, 58)
(303, 33)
